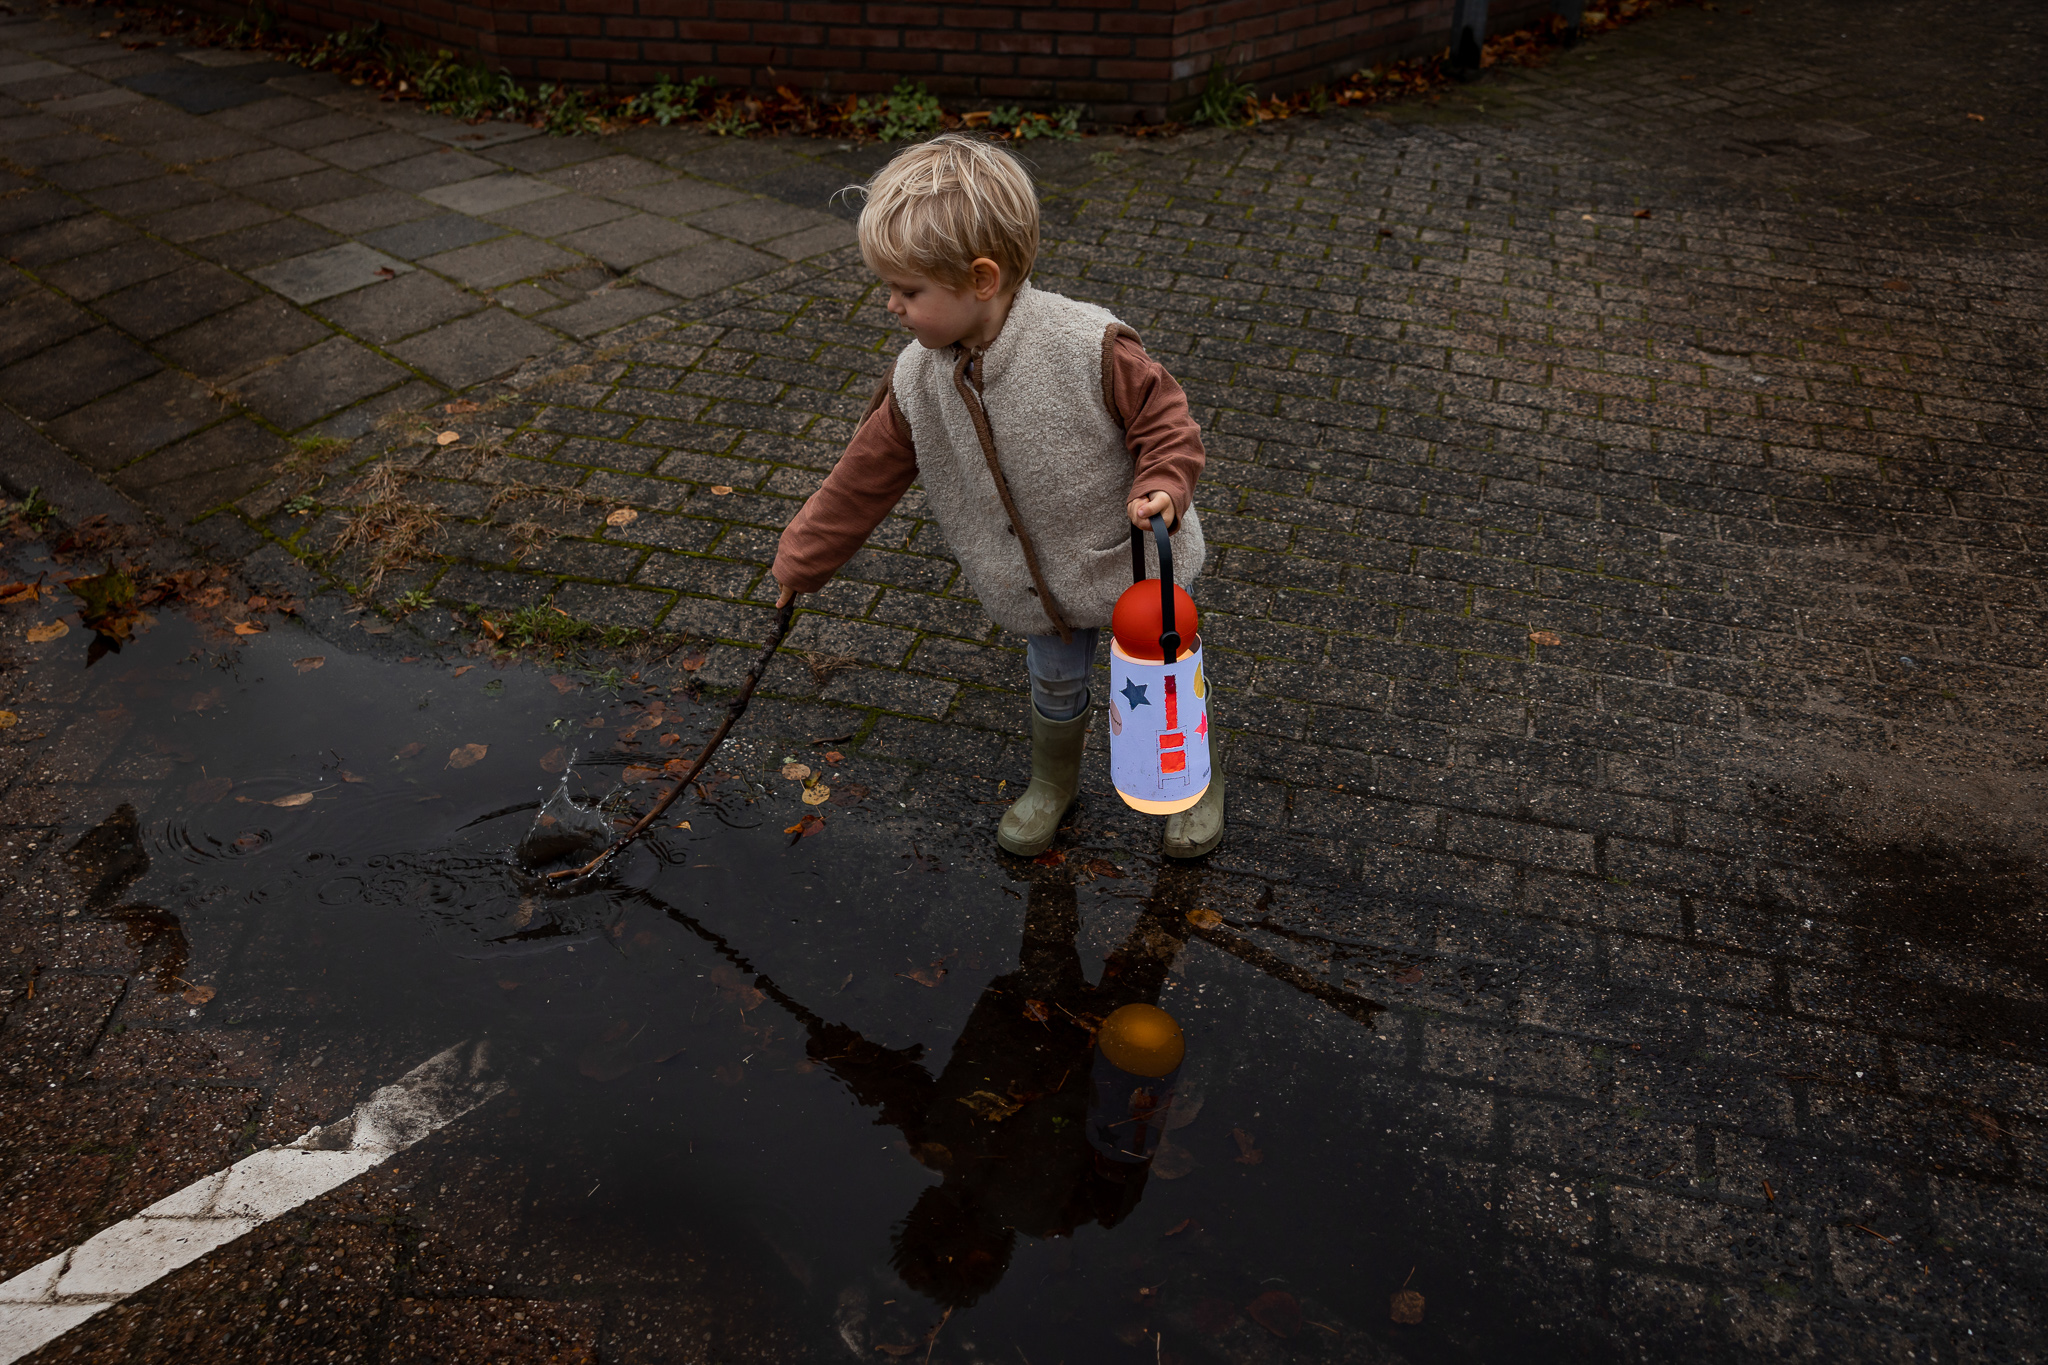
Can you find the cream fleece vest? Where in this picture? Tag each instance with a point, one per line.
(1063, 455)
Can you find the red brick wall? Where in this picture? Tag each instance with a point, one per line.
(1125, 59)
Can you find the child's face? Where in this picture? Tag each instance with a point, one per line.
(941, 316)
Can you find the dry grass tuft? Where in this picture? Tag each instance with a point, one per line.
(825, 667)
(395, 527)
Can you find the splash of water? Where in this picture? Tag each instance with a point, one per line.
(564, 828)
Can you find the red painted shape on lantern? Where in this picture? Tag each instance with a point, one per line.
(1136, 619)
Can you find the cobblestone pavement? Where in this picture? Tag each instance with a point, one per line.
(1625, 500)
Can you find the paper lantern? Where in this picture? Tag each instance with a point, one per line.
(1158, 694)
(1138, 1053)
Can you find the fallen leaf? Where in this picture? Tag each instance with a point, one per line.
(1586, 217)
(198, 995)
(1214, 1316)
(1036, 1012)
(1248, 1153)
(834, 757)
(721, 489)
(11, 593)
(1642, 213)
(468, 755)
(8, 720)
(1408, 977)
(933, 1154)
(1899, 286)
(463, 405)
(259, 603)
(692, 661)
(385, 272)
(816, 794)
(447, 438)
(624, 516)
(636, 774)
(295, 799)
(927, 976)
(490, 627)
(1052, 857)
(796, 772)
(1178, 1228)
(56, 630)
(682, 824)
(107, 603)
(248, 628)
(1103, 867)
(806, 827)
(1406, 1308)
(208, 790)
(849, 792)
(555, 760)
(410, 751)
(1204, 919)
(1277, 1311)
(563, 685)
(348, 776)
(1546, 637)
(1974, 118)
(989, 1107)
(462, 670)
(1184, 1110)
(309, 663)
(898, 1351)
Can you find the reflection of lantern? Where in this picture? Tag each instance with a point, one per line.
(1138, 1053)
(1158, 696)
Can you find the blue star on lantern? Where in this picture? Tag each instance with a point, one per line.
(1134, 695)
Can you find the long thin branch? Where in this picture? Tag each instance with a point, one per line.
(732, 713)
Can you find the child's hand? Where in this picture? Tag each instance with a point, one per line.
(784, 598)
(1143, 509)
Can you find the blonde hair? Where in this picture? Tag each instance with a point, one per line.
(939, 205)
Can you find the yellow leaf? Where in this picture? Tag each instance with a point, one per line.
(721, 489)
(1204, 919)
(1546, 637)
(447, 438)
(817, 795)
(309, 663)
(624, 516)
(295, 799)
(468, 755)
(682, 824)
(56, 630)
(8, 720)
(198, 995)
(248, 628)
(796, 772)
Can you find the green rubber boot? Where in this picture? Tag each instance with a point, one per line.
(1028, 826)
(1199, 828)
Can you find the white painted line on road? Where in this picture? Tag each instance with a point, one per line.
(45, 1301)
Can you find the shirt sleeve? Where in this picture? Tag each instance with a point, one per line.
(877, 468)
(1159, 431)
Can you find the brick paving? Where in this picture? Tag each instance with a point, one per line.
(1626, 629)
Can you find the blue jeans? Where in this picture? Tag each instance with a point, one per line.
(1059, 672)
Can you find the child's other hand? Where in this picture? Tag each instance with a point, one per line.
(1152, 505)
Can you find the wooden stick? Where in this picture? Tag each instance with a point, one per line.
(732, 713)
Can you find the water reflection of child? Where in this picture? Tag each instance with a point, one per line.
(1005, 1122)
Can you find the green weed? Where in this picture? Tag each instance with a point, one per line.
(1223, 100)
(667, 101)
(35, 509)
(905, 114)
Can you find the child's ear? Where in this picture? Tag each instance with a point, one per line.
(986, 277)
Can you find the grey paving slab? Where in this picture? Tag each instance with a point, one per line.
(757, 220)
(388, 312)
(305, 191)
(475, 137)
(64, 239)
(35, 208)
(115, 168)
(54, 381)
(562, 214)
(246, 336)
(127, 424)
(491, 193)
(95, 99)
(197, 91)
(264, 244)
(272, 112)
(606, 175)
(605, 309)
(139, 198)
(325, 273)
(429, 236)
(228, 213)
(444, 166)
(115, 267)
(374, 149)
(632, 240)
(367, 213)
(489, 264)
(214, 467)
(812, 241)
(324, 130)
(179, 299)
(330, 376)
(546, 153)
(57, 150)
(677, 198)
(272, 163)
(212, 145)
(472, 349)
(704, 269)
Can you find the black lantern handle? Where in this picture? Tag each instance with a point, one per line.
(1169, 638)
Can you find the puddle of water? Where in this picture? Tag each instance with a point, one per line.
(858, 1060)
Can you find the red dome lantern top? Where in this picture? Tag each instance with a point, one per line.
(1136, 621)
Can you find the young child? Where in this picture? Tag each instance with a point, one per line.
(1041, 432)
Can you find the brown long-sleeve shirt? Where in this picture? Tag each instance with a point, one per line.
(880, 464)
